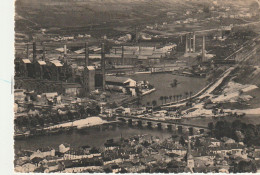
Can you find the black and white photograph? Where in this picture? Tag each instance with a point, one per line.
(136, 86)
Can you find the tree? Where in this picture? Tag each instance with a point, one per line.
(161, 98)
(191, 93)
(182, 141)
(197, 143)
(245, 167)
(154, 103)
(148, 103)
(174, 96)
(138, 102)
(165, 98)
(186, 94)
(170, 97)
(211, 127)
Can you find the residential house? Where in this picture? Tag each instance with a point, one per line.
(41, 153)
(64, 148)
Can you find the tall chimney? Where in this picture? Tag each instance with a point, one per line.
(186, 44)
(86, 55)
(136, 35)
(27, 51)
(65, 49)
(190, 42)
(194, 42)
(85, 74)
(203, 48)
(122, 56)
(43, 52)
(103, 66)
(34, 52)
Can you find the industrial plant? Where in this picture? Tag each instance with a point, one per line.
(136, 87)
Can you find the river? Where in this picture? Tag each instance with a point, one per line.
(162, 83)
(92, 137)
(97, 137)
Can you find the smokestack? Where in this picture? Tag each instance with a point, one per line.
(136, 35)
(103, 65)
(122, 56)
(186, 44)
(203, 48)
(65, 49)
(34, 52)
(190, 42)
(194, 42)
(85, 74)
(27, 51)
(86, 55)
(43, 52)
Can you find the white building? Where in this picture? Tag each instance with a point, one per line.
(121, 84)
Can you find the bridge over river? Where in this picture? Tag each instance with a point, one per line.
(163, 124)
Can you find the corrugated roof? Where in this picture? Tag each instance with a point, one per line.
(94, 56)
(113, 56)
(130, 56)
(146, 52)
(26, 61)
(60, 49)
(91, 67)
(57, 63)
(50, 94)
(42, 62)
(117, 79)
(80, 51)
(155, 56)
(141, 57)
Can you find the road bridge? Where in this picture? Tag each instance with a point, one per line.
(162, 124)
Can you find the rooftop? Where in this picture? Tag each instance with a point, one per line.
(117, 79)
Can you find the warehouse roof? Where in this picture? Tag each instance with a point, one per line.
(91, 67)
(118, 79)
(57, 63)
(42, 62)
(26, 61)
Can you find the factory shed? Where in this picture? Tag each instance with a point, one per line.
(42, 63)
(26, 68)
(72, 89)
(121, 84)
(40, 68)
(91, 78)
(57, 63)
(26, 61)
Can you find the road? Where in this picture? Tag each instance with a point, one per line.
(212, 86)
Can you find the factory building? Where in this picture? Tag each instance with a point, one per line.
(190, 48)
(132, 55)
(121, 84)
(91, 78)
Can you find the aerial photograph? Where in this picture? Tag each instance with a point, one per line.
(136, 86)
